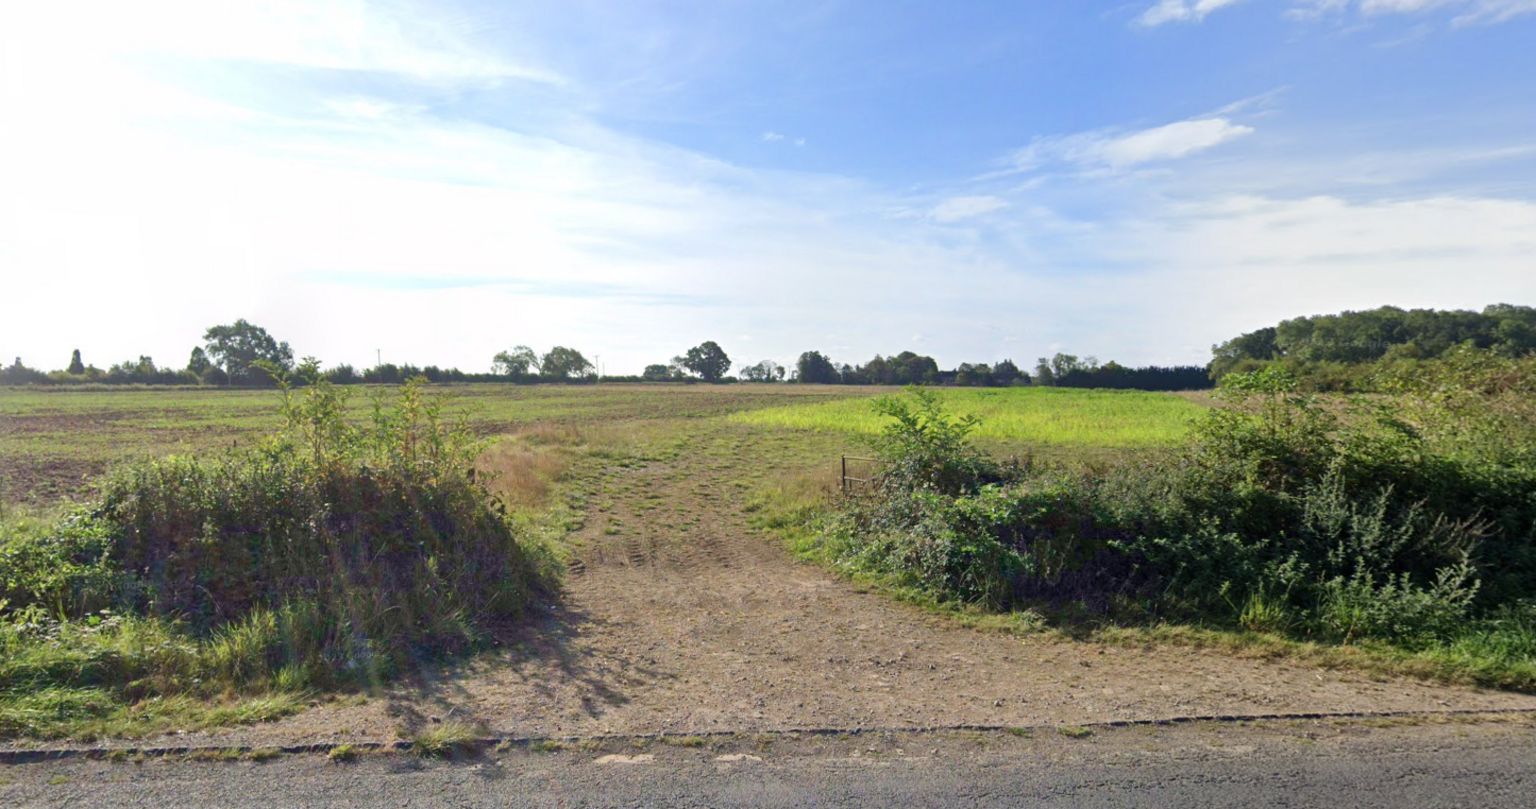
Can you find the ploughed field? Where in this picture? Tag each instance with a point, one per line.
(678, 612)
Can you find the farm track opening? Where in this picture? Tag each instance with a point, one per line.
(679, 618)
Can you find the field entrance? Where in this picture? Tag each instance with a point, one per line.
(680, 617)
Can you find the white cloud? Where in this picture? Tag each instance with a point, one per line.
(955, 209)
(1120, 150)
(386, 37)
(347, 219)
(1166, 11)
(772, 137)
(1467, 12)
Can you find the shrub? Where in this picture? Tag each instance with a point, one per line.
(333, 553)
(1283, 513)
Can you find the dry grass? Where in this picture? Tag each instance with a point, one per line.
(447, 739)
(523, 473)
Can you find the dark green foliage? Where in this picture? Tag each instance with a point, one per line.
(1115, 376)
(763, 371)
(515, 363)
(1324, 347)
(563, 363)
(906, 368)
(815, 369)
(18, 374)
(238, 347)
(925, 448)
(1338, 522)
(708, 360)
(198, 363)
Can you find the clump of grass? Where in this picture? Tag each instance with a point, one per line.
(1074, 732)
(685, 741)
(546, 745)
(342, 753)
(447, 738)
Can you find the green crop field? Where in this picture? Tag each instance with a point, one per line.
(53, 441)
(1048, 416)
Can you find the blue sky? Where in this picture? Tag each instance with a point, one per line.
(438, 181)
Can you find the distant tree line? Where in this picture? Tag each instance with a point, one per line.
(1345, 351)
(245, 355)
(1062, 370)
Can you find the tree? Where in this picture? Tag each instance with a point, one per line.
(76, 367)
(1006, 373)
(198, 363)
(239, 346)
(656, 373)
(343, 374)
(1043, 373)
(764, 371)
(1063, 364)
(563, 363)
(517, 362)
(707, 360)
(813, 368)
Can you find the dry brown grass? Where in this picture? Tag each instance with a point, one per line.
(522, 473)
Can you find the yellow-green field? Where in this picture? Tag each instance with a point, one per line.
(53, 441)
(1045, 416)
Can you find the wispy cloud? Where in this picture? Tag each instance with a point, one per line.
(1467, 12)
(955, 209)
(779, 137)
(1118, 149)
(1166, 11)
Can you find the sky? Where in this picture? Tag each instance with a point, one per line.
(433, 182)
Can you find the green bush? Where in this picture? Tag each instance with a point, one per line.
(1334, 520)
(333, 553)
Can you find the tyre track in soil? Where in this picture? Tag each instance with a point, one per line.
(679, 618)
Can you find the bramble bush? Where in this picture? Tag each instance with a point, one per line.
(1326, 519)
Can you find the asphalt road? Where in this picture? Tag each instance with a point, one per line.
(1292, 764)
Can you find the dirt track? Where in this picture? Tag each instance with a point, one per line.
(680, 618)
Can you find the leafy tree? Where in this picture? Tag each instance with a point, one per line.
(76, 367)
(763, 371)
(238, 347)
(968, 375)
(656, 373)
(1043, 373)
(517, 362)
(563, 363)
(707, 360)
(1321, 347)
(1006, 373)
(343, 374)
(198, 363)
(1063, 364)
(813, 368)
